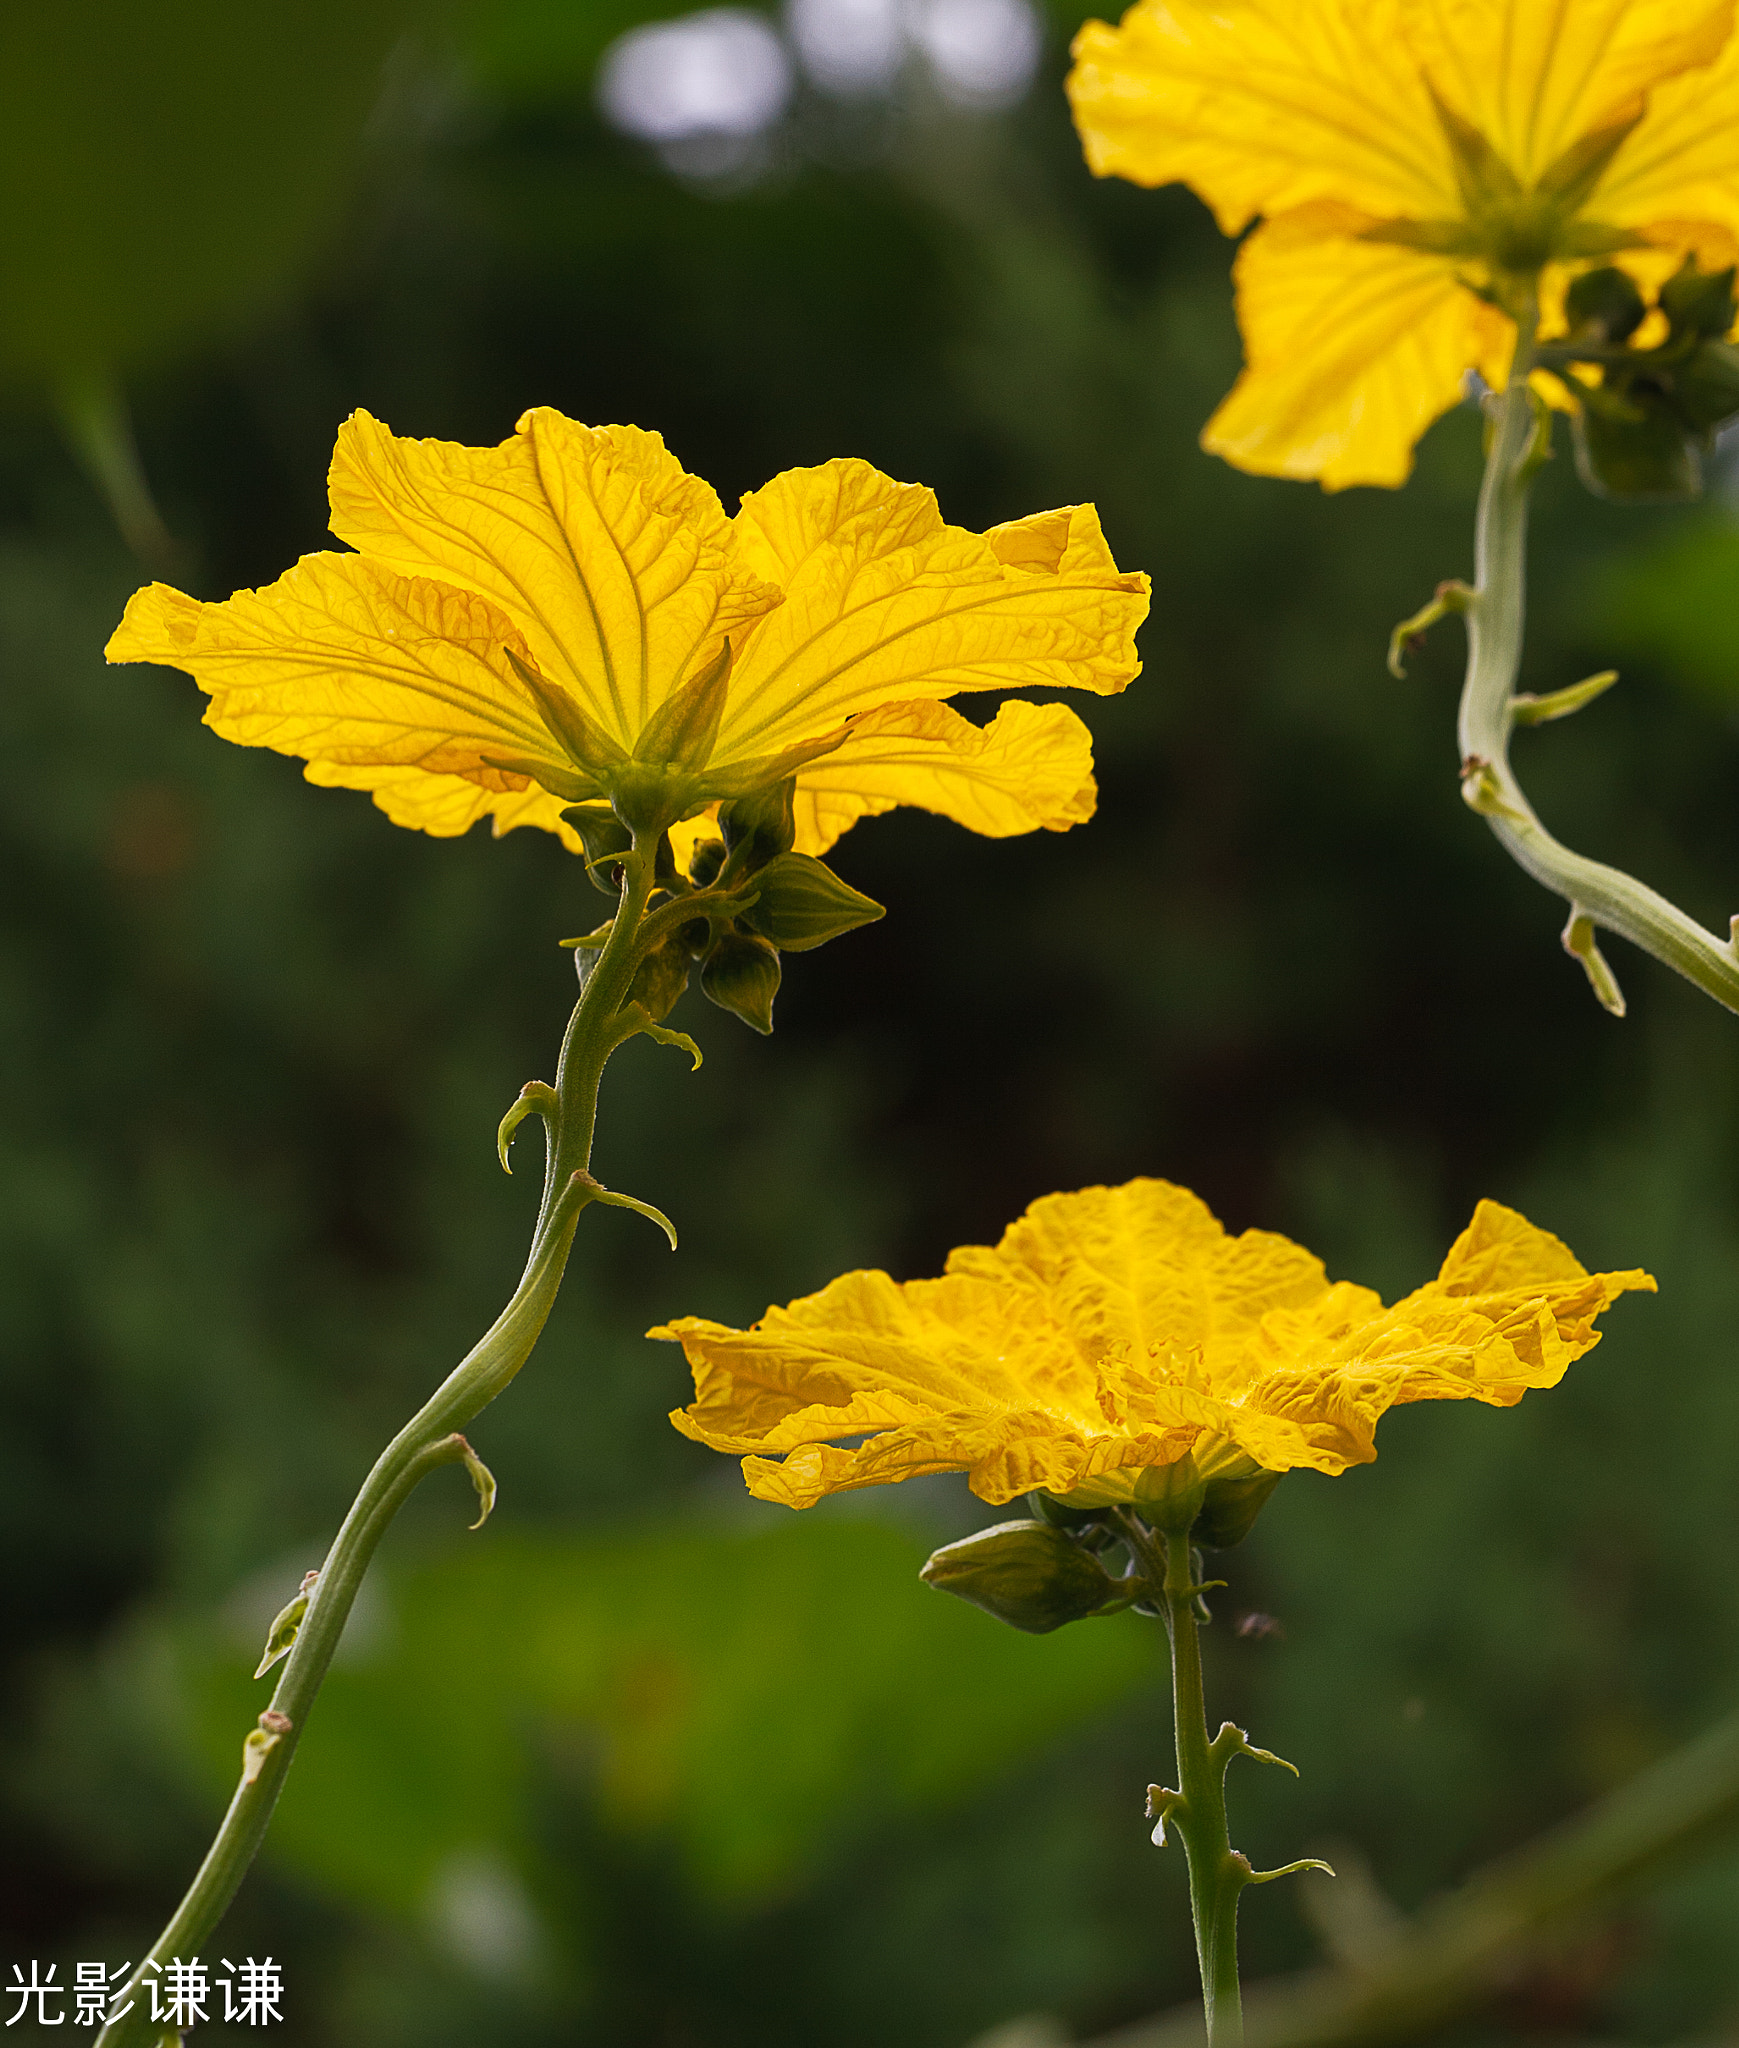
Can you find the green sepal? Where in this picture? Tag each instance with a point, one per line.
(659, 979)
(684, 729)
(1091, 1526)
(759, 827)
(1230, 1506)
(1604, 305)
(741, 975)
(1568, 181)
(1486, 181)
(605, 838)
(570, 784)
(1028, 1574)
(584, 741)
(802, 903)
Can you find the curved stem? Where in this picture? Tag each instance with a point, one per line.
(428, 1440)
(1218, 1874)
(1495, 610)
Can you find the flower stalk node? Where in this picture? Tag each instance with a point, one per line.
(1482, 790)
(679, 1040)
(536, 1098)
(281, 1636)
(1161, 1804)
(1232, 1741)
(594, 1191)
(1409, 636)
(480, 1476)
(1580, 943)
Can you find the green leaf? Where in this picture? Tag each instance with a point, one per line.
(756, 1699)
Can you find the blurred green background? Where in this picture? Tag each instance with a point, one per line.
(646, 1762)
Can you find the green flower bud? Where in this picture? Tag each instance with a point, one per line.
(704, 864)
(803, 903)
(759, 826)
(1706, 390)
(1633, 446)
(605, 838)
(742, 975)
(659, 979)
(1605, 300)
(1028, 1574)
(1699, 301)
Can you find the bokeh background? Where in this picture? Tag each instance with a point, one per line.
(645, 1762)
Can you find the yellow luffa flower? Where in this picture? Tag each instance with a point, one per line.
(1406, 155)
(1112, 1334)
(494, 592)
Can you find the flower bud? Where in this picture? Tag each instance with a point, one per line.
(605, 838)
(659, 979)
(803, 903)
(1606, 301)
(742, 975)
(1028, 1574)
(1699, 301)
(759, 826)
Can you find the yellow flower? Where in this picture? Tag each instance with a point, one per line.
(514, 620)
(1407, 155)
(1115, 1333)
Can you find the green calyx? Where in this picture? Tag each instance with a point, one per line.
(1642, 431)
(1212, 1494)
(1030, 1574)
(1510, 230)
(747, 896)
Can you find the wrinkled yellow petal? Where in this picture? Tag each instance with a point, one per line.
(445, 806)
(343, 662)
(1352, 350)
(1536, 77)
(1117, 1330)
(885, 603)
(1031, 767)
(1676, 177)
(612, 560)
(1263, 106)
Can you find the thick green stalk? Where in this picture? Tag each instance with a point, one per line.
(428, 1440)
(1598, 895)
(1197, 1809)
(1216, 1875)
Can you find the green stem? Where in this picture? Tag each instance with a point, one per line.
(1495, 610)
(1218, 1874)
(428, 1440)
